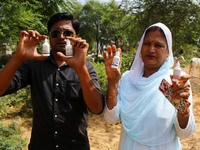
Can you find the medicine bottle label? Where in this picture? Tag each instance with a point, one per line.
(115, 62)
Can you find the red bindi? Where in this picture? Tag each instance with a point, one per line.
(155, 29)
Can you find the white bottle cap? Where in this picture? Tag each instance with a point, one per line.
(68, 42)
(117, 53)
(46, 41)
(177, 72)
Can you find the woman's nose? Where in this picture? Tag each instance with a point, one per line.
(152, 48)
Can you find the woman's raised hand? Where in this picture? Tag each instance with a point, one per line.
(112, 73)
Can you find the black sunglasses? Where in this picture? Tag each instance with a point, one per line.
(56, 33)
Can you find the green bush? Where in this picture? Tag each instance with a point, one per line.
(3, 108)
(6, 103)
(11, 138)
(4, 59)
(101, 71)
(20, 99)
(26, 104)
(127, 59)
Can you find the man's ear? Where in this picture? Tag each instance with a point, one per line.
(77, 35)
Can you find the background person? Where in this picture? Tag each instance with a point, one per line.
(62, 89)
(149, 120)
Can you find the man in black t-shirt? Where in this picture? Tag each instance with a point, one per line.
(62, 89)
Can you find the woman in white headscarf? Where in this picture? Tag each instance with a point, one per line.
(149, 120)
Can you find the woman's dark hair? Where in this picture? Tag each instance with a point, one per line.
(64, 16)
(154, 28)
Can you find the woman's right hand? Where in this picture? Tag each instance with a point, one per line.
(112, 73)
(27, 46)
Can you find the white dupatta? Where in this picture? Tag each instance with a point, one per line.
(146, 115)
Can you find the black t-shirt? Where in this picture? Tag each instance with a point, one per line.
(60, 114)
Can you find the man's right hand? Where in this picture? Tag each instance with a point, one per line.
(27, 46)
(26, 50)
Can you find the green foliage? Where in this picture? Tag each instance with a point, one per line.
(4, 107)
(20, 99)
(182, 17)
(101, 71)
(26, 108)
(127, 59)
(120, 23)
(9, 102)
(187, 49)
(11, 138)
(102, 23)
(23, 99)
(4, 60)
(91, 19)
(18, 15)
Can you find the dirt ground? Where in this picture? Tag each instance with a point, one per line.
(104, 136)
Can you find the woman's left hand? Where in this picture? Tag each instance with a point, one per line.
(181, 89)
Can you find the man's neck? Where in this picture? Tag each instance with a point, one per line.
(58, 60)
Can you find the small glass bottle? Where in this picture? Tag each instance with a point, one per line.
(116, 59)
(46, 48)
(176, 72)
(68, 49)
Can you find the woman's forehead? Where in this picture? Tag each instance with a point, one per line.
(155, 35)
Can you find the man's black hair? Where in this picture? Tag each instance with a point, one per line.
(64, 16)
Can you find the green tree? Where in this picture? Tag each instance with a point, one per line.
(16, 16)
(113, 24)
(51, 7)
(91, 19)
(181, 16)
(101, 24)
